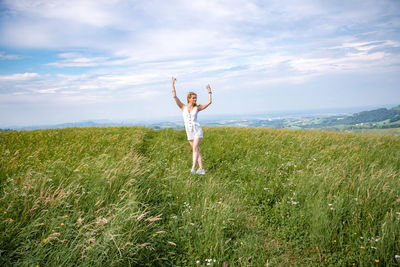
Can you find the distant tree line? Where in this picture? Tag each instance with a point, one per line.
(372, 116)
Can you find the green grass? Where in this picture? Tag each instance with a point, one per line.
(123, 196)
(389, 131)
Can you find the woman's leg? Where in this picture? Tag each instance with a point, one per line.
(196, 153)
(194, 162)
(200, 159)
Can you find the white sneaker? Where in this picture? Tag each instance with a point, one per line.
(201, 171)
(192, 171)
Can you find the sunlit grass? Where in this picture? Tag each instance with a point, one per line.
(124, 196)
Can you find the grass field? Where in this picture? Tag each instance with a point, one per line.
(124, 196)
(391, 131)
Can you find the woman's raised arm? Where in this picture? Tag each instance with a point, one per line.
(201, 107)
(178, 102)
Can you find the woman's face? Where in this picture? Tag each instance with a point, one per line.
(193, 99)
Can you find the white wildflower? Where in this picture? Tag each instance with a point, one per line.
(101, 221)
(79, 220)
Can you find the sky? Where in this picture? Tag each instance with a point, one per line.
(76, 60)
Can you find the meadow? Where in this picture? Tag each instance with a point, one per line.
(124, 196)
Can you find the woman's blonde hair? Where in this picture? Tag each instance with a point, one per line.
(190, 95)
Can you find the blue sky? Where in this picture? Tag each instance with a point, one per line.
(67, 61)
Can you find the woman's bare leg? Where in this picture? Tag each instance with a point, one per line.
(195, 144)
(196, 153)
(194, 162)
(200, 159)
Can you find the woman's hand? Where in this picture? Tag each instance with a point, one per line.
(173, 86)
(201, 107)
(178, 102)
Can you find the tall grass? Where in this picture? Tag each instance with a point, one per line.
(125, 197)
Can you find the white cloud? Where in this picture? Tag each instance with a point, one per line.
(81, 88)
(369, 45)
(19, 77)
(354, 62)
(46, 91)
(79, 60)
(4, 55)
(97, 13)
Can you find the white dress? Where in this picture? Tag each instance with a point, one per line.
(192, 126)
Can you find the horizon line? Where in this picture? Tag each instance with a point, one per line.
(275, 113)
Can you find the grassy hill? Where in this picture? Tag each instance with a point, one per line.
(379, 121)
(124, 196)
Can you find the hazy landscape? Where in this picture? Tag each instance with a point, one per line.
(379, 121)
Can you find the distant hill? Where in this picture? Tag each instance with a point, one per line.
(381, 118)
(376, 115)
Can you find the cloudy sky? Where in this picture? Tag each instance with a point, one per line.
(67, 61)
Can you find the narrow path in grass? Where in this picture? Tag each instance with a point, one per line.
(206, 217)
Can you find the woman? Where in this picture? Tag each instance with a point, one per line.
(193, 129)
